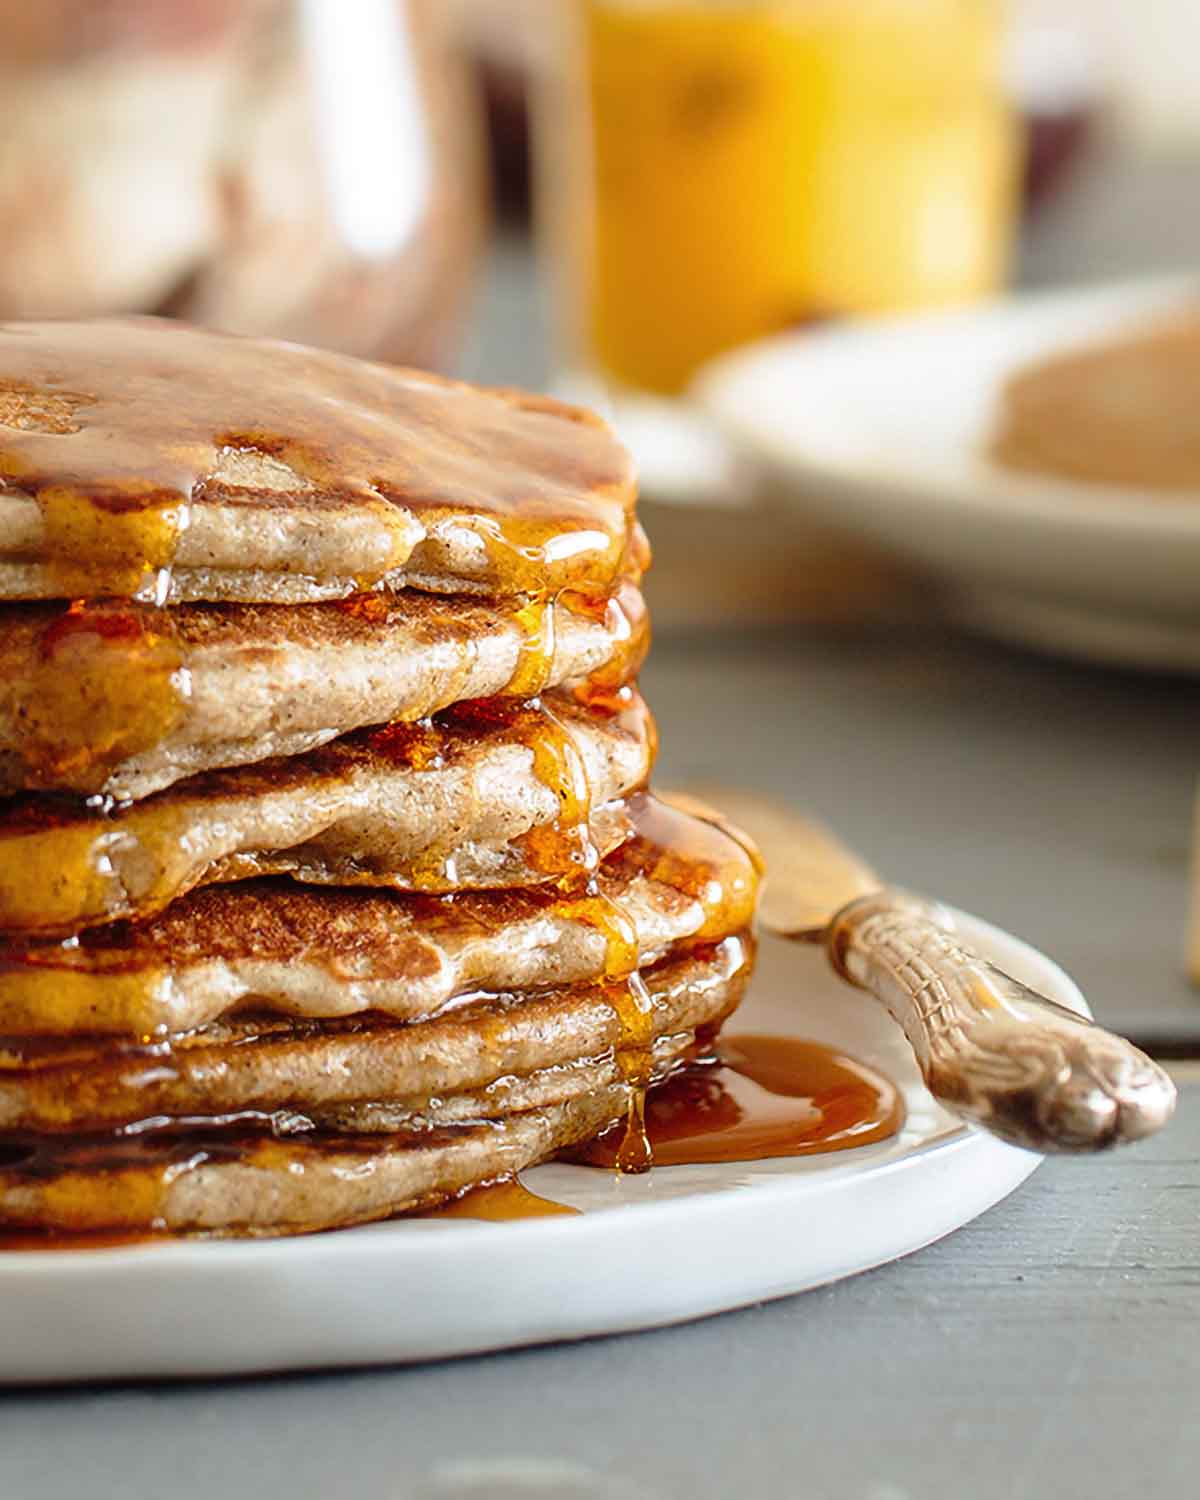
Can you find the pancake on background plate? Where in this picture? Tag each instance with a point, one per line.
(1122, 412)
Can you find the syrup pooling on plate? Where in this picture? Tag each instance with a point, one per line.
(128, 430)
(752, 1098)
(501, 1202)
(756, 1097)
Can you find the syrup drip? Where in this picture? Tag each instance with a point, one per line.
(79, 716)
(519, 559)
(535, 661)
(94, 549)
(759, 1097)
(501, 1201)
(160, 422)
(625, 991)
(564, 847)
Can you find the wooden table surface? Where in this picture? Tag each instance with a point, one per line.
(1052, 1348)
(1054, 800)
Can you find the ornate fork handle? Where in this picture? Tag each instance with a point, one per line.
(990, 1048)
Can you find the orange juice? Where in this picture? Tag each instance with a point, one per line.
(754, 166)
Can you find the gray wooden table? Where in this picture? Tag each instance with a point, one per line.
(1052, 799)
(1052, 1348)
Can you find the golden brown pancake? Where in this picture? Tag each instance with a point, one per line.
(1120, 413)
(237, 1184)
(536, 1077)
(123, 700)
(489, 795)
(321, 953)
(148, 459)
(264, 1066)
(329, 882)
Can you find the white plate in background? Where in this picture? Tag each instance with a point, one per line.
(881, 429)
(679, 1243)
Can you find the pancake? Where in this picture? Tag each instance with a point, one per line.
(124, 700)
(292, 1171)
(487, 795)
(323, 953)
(144, 458)
(330, 885)
(264, 1067)
(1121, 412)
(504, 1096)
(231, 1184)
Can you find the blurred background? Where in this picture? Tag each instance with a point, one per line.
(798, 251)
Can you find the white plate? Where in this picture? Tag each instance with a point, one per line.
(882, 428)
(677, 1244)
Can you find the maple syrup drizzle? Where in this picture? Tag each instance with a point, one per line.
(535, 659)
(93, 549)
(111, 680)
(125, 431)
(759, 1097)
(564, 847)
(81, 717)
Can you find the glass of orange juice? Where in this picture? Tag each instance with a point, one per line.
(731, 168)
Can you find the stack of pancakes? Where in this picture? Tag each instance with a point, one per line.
(330, 885)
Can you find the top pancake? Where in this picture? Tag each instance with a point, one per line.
(143, 458)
